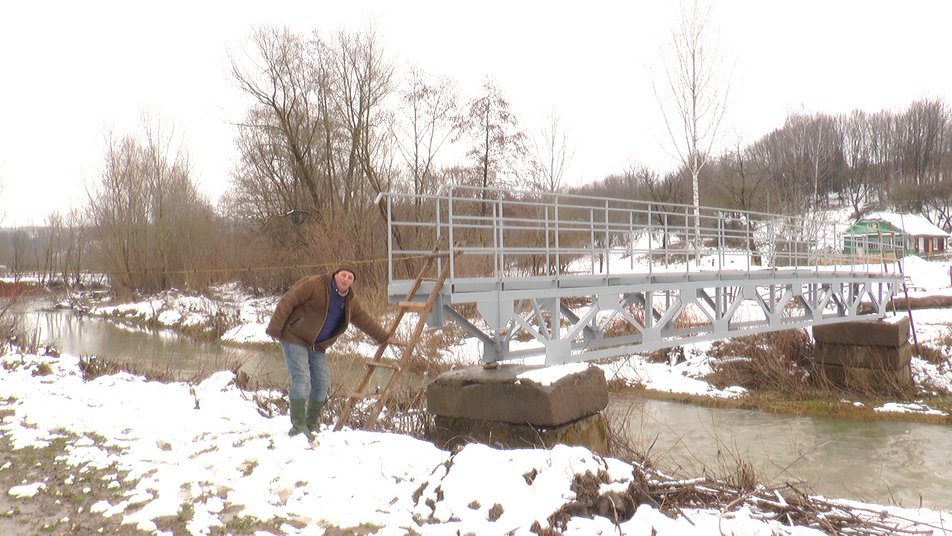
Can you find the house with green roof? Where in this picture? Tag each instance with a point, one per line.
(894, 235)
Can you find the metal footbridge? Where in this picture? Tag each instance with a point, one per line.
(578, 278)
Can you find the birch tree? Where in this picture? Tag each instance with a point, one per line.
(695, 96)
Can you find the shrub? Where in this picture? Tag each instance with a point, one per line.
(778, 361)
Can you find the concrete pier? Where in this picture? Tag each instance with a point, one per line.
(517, 406)
(865, 357)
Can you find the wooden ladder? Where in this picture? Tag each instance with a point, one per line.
(408, 305)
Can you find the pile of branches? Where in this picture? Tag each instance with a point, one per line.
(785, 503)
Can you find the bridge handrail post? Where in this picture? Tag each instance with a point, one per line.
(650, 241)
(694, 245)
(436, 239)
(665, 229)
(389, 238)
(720, 239)
(502, 239)
(631, 240)
(451, 230)
(548, 252)
(558, 249)
(607, 243)
(747, 242)
(591, 233)
(497, 273)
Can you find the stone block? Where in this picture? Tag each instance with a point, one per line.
(867, 380)
(501, 395)
(892, 332)
(870, 357)
(590, 432)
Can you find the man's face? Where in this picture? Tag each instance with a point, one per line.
(344, 279)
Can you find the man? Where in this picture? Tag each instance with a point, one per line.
(307, 321)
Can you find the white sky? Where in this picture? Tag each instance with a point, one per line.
(74, 71)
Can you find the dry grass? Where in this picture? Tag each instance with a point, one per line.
(779, 361)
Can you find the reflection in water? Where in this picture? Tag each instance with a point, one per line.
(166, 350)
(151, 348)
(876, 461)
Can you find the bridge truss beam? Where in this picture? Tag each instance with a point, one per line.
(609, 317)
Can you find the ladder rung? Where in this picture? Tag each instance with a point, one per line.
(420, 307)
(357, 396)
(382, 364)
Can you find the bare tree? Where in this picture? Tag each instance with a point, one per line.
(316, 144)
(814, 153)
(922, 130)
(150, 222)
(361, 80)
(884, 162)
(286, 137)
(498, 148)
(740, 182)
(426, 121)
(854, 130)
(552, 155)
(76, 244)
(52, 258)
(696, 97)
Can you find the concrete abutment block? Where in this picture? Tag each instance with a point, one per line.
(865, 357)
(520, 406)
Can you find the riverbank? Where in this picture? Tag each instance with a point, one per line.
(205, 459)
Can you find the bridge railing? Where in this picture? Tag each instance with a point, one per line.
(507, 234)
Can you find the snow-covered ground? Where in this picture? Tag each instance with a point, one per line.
(207, 446)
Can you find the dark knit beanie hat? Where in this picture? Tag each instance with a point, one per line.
(347, 266)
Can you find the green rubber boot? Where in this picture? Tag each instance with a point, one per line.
(297, 419)
(312, 419)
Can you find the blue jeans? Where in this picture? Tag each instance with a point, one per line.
(310, 375)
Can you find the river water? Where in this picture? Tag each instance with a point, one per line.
(882, 462)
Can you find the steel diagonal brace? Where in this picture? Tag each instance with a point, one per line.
(669, 315)
(875, 299)
(582, 323)
(838, 299)
(639, 298)
(824, 295)
(540, 334)
(777, 315)
(624, 314)
(857, 297)
(619, 309)
(731, 311)
(766, 309)
(574, 319)
(543, 334)
(702, 293)
(807, 307)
